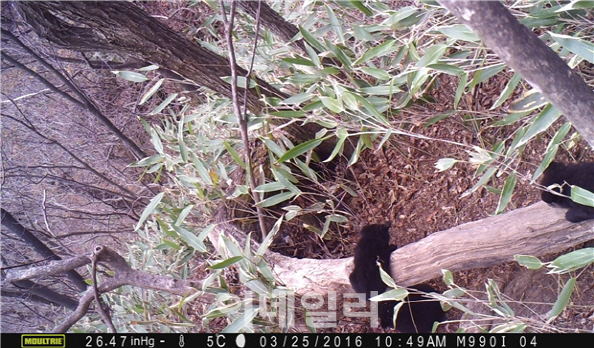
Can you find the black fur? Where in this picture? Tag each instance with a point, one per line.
(580, 174)
(374, 244)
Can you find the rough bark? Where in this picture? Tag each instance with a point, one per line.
(524, 52)
(22, 233)
(273, 21)
(123, 28)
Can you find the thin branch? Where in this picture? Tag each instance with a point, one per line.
(84, 102)
(100, 305)
(123, 275)
(242, 116)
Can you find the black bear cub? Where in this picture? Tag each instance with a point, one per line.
(374, 244)
(580, 174)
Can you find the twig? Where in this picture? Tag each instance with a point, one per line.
(242, 116)
(100, 305)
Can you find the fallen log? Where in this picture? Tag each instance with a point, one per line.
(535, 230)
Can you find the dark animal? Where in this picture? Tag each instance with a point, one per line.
(580, 174)
(374, 245)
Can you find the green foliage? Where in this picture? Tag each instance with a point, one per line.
(354, 80)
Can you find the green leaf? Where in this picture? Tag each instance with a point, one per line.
(289, 114)
(190, 238)
(151, 91)
(398, 294)
(483, 74)
(276, 199)
(201, 169)
(361, 7)
(240, 81)
(339, 54)
(150, 208)
(184, 213)
(448, 277)
(381, 90)
(528, 261)
(460, 89)
(227, 263)
(269, 237)
(542, 122)
(304, 78)
(377, 51)
(445, 163)
(446, 68)
(243, 321)
(270, 187)
(572, 261)
(377, 73)
(312, 40)
(506, 194)
(130, 76)
(300, 149)
(149, 68)
(332, 104)
(335, 24)
(234, 154)
(156, 141)
(297, 99)
(341, 134)
(580, 47)
(582, 196)
(432, 55)
(163, 104)
(459, 32)
(298, 60)
(563, 299)
(507, 91)
(529, 101)
(483, 180)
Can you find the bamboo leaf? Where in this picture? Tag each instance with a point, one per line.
(377, 51)
(563, 299)
(300, 149)
(130, 75)
(151, 91)
(542, 122)
(276, 199)
(190, 239)
(528, 261)
(164, 104)
(582, 196)
(506, 194)
(226, 263)
(150, 208)
(580, 47)
(312, 40)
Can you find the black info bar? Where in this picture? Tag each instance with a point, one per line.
(367, 340)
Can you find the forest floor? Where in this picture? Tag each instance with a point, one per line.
(399, 183)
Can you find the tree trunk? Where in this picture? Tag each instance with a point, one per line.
(536, 230)
(26, 236)
(273, 21)
(121, 27)
(524, 52)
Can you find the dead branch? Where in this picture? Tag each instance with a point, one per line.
(242, 116)
(536, 230)
(123, 275)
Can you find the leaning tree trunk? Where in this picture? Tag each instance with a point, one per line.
(524, 52)
(123, 28)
